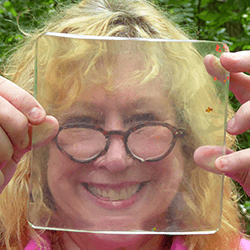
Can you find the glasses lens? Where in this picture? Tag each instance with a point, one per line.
(150, 142)
(81, 143)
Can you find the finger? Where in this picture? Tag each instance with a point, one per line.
(236, 166)
(240, 123)
(214, 67)
(8, 166)
(205, 157)
(39, 136)
(18, 153)
(9, 152)
(240, 86)
(22, 100)
(234, 162)
(14, 123)
(1, 180)
(239, 82)
(236, 62)
(45, 132)
(8, 172)
(43, 135)
(239, 79)
(6, 149)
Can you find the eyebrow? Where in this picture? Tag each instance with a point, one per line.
(78, 112)
(91, 111)
(132, 103)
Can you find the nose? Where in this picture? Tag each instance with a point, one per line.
(116, 158)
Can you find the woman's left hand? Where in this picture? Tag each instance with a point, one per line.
(234, 164)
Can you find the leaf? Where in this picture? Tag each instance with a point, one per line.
(208, 16)
(222, 30)
(246, 47)
(9, 7)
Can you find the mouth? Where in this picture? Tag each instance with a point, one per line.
(115, 193)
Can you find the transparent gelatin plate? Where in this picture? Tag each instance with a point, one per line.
(130, 114)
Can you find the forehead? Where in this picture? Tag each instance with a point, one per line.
(127, 78)
(124, 101)
(124, 86)
(132, 95)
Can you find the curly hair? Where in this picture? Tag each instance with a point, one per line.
(131, 19)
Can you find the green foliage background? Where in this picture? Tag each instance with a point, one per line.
(217, 20)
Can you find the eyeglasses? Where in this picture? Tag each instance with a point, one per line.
(150, 141)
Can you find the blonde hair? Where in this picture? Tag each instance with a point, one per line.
(132, 18)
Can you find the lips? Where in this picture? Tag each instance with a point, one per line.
(114, 193)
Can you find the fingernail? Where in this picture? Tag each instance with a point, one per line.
(35, 113)
(221, 163)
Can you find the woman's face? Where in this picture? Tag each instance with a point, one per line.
(116, 192)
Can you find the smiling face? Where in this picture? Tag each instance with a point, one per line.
(116, 192)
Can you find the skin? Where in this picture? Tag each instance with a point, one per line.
(19, 105)
(234, 164)
(113, 242)
(115, 167)
(19, 112)
(117, 110)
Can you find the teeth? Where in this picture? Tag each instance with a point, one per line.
(123, 194)
(99, 191)
(114, 194)
(105, 194)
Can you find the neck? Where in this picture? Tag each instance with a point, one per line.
(89, 241)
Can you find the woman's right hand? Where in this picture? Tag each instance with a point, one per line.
(19, 114)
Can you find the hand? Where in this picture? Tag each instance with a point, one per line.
(234, 164)
(18, 114)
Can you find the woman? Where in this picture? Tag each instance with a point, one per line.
(133, 19)
(124, 143)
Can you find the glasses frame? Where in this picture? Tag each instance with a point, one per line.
(176, 132)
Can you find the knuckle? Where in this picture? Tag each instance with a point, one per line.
(6, 148)
(22, 126)
(6, 155)
(25, 102)
(13, 120)
(244, 113)
(19, 99)
(14, 127)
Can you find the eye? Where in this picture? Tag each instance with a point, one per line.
(141, 118)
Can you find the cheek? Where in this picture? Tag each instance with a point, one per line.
(171, 169)
(167, 179)
(172, 177)
(173, 174)
(62, 173)
(160, 193)
(60, 167)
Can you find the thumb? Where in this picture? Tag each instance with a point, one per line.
(205, 157)
(45, 132)
(41, 135)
